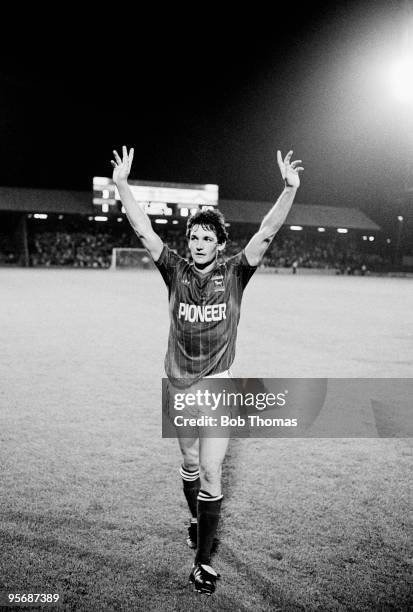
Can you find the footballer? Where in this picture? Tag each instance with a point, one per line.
(205, 296)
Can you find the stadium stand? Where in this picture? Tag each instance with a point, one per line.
(58, 228)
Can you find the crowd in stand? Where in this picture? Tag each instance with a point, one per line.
(77, 249)
(338, 252)
(8, 253)
(93, 249)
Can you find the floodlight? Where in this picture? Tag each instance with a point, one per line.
(401, 79)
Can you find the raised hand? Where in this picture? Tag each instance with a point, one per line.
(289, 170)
(121, 167)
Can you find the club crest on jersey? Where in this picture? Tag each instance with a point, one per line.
(205, 314)
(218, 283)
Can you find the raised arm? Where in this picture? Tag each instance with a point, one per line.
(135, 212)
(274, 219)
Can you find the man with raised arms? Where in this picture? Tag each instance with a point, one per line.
(204, 305)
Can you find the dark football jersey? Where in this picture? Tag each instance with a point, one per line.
(204, 312)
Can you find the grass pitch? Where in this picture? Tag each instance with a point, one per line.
(91, 502)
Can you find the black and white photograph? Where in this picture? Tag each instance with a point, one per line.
(206, 313)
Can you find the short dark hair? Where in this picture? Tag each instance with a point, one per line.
(209, 219)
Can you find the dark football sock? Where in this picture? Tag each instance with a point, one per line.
(192, 485)
(209, 508)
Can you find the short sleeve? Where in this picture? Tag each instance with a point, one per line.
(241, 268)
(167, 264)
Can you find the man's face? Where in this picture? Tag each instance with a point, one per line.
(203, 245)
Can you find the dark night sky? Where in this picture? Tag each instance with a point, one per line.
(208, 98)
